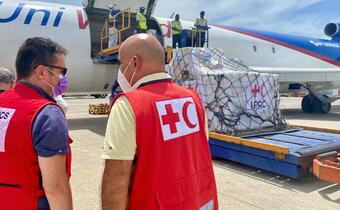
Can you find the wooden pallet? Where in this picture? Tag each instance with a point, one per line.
(99, 109)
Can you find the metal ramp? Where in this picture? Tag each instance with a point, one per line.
(110, 51)
(113, 30)
(289, 153)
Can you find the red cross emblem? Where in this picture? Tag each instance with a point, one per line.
(170, 118)
(255, 90)
(178, 117)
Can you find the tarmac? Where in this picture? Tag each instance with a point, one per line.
(239, 186)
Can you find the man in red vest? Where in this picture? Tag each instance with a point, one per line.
(34, 143)
(156, 145)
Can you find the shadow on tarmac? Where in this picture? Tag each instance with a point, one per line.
(96, 125)
(306, 184)
(292, 113)
(325, 193)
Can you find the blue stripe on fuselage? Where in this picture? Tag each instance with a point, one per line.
(324, 48)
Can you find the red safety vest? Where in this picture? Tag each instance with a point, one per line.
(20, 178)
(173, 168)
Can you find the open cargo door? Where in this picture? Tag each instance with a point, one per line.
(108, 32)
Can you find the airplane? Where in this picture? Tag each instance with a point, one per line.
(301, 62)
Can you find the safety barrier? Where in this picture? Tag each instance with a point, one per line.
(113, 28)
(196, 37)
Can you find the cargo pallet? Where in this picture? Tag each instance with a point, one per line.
(289, 153)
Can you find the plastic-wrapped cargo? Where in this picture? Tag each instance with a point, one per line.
(238, 100)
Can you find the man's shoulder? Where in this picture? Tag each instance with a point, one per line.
(53, 112)
(119, 97)
(121, 102)
(50, 132)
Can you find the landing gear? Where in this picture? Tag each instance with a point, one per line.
(99, 95)
(306, 104)
(312, 103)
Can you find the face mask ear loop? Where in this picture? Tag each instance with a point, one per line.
(132, 78)
(133, 75)
(127, 67)
(47, 83)
(59, 76)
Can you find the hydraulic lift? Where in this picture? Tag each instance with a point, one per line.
(291, 153)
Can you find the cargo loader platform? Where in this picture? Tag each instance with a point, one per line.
(289, 153)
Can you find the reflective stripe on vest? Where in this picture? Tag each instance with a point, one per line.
(141, 21)
(178, 26)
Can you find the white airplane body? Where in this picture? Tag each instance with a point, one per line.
(297, 60)
(271, 56)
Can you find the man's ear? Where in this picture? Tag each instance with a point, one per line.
(137, 62)
(39, 71)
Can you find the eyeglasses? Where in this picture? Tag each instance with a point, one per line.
(64, 70)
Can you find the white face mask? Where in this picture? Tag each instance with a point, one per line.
(122, 81)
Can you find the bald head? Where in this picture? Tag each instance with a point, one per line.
(145, 46)
(146, 53)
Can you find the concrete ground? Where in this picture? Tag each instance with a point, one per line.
(239, 186)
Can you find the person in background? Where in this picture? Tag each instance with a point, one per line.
(176, 32)
(113, 25)
(141, 21)
(201, 25)
(114, 91)
(149, 134)
(7, 79)
(35, 153)
(113, 11)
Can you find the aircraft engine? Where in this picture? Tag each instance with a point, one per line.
(333, 30)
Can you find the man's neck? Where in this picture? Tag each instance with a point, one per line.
(37, 88)
(40, 84)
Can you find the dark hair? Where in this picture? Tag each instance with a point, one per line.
(34, 52)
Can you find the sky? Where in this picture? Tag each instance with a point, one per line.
(299, 17)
